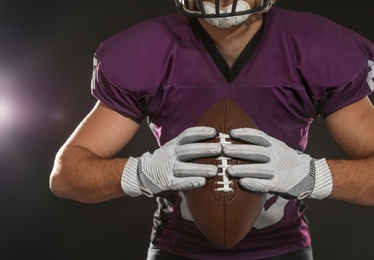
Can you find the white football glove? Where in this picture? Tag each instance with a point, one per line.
(167, 168)
(277, 168)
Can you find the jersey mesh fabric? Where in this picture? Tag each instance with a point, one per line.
(303, 67)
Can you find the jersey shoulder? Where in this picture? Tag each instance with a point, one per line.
(326, 54)
(307, 26)
(140, 55)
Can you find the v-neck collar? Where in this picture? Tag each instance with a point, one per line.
(219, 60)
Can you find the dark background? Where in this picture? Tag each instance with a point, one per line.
(46, 51)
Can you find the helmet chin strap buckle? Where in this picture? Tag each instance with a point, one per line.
(229, 21)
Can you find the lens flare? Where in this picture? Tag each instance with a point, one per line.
(5, 113)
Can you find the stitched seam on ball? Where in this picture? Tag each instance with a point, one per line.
(225, 184)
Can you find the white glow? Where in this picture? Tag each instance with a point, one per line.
(5, 113)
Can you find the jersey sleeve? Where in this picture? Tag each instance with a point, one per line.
(129, 68)
(357, 87)
(109, 93)
(337, 65)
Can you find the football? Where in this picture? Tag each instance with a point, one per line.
(221, 209)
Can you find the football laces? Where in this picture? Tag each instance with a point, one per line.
(225, 183)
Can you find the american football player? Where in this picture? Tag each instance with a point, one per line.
(284, 68)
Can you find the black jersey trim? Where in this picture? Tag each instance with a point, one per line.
(229, 73)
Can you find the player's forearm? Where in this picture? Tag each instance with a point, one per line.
(80, 175)
(353, 180)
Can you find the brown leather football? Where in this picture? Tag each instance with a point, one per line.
(221, 209)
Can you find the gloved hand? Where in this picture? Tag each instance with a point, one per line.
(277, 168)
(167, 168)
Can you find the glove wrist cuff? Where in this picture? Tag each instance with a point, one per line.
(129, 178)
(323, 184)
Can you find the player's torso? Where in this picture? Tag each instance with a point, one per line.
(173, 76)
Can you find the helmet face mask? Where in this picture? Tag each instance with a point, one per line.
(186, 8)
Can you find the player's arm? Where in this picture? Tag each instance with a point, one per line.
(279, 169)
(84, 169)
(353, 129)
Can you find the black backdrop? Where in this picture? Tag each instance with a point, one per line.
(46, 51)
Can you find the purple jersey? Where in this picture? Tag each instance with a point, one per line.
(303, 66)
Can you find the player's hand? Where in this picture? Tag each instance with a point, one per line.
(277, 168)
(168, 167)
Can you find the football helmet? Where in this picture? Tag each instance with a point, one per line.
(188, 7)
